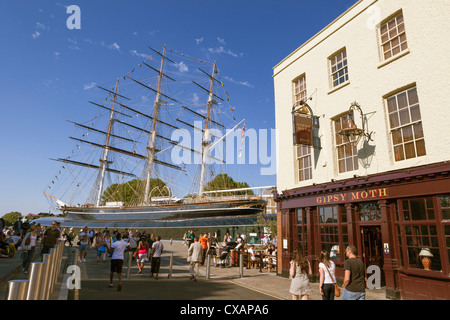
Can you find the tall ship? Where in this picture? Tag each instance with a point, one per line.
(157, 133)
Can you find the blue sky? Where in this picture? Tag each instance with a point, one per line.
(47, 70)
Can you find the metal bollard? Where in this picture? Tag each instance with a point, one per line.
(170, 266)
(130, 256)
(75, 257)
(241, 265)
(35, 280)
(45, 274)
(17, 290)
(208, 266)
(53, 252)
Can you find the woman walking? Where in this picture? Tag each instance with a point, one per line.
(100, 246)
(142, 255)
(29, 246)
(108, 242)
(327, 276)
(300, 268)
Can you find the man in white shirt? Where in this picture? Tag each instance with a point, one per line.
(157, 250)
(117, 249)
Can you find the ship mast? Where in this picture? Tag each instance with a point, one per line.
(206, 136)
(104, 160)
(152, 141)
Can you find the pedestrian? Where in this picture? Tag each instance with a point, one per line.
(108, 242)
(327, 276)
(117, 250)
(70, 236)
(18, 225)
(133, 244)
(92, 235)
(195, 257)
(29, 243)
(185, 238)
(100, 246)
(354, 282)
(300, 268)
(190, 238)
(205, 245)
(157, 250)
(142, 254)
(85, 243)
(50, 238)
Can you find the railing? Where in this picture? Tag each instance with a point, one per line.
(41, 280)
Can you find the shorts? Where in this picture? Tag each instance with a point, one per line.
(83, 247)
(142, 257)
(116, 265)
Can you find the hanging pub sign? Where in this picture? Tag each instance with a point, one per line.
(303, 129)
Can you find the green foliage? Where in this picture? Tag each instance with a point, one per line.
(267, 222)
(11, 217)
(224, 182)
(131, 192)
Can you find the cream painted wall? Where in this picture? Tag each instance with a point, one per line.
(426, 64)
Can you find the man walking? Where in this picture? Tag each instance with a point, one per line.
(157, 250)
(354, 283)
(117, 250)
(50, 238)
(195, 257)
(205, 245)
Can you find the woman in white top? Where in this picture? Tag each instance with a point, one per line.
(326, 285)
(29, 243)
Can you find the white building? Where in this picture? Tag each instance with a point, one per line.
(383, 65)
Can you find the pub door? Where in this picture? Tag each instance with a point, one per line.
(372, 248)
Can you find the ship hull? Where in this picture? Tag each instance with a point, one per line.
(165, 213)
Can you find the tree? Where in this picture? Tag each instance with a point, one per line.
(11, 217)
(224, 182)
(132, 192)
(267, 222)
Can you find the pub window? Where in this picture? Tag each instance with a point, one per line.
(302, 230)
(406, 125)
(339, 68)
(421, 233)
(444, 201)
(393, 36)
(369, 211)
(329, 226)
(445, 206)
(347, 155)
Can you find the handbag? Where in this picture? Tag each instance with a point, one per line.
(337, 291)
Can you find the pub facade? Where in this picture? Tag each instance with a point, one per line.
(362, 147)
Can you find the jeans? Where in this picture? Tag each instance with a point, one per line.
(328, 291)
(349, 295)
(27, 258)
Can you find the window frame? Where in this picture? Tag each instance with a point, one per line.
(401, 236)
(399, 34)
(342, 144)
(344, 67)
(396, 131)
